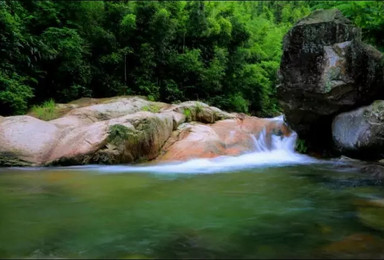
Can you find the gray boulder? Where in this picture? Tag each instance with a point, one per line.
(360, 132)
(326, 69)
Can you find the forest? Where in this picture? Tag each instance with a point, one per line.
(223, 53)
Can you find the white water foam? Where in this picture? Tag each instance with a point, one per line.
(280, 152)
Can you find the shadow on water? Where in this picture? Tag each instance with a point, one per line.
(339, 176)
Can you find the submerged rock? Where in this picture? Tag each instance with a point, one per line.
(358, 245)
(372, 216)
(127, 130)
(361, 131)
(326, 69)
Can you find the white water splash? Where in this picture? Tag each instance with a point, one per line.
(280, 152)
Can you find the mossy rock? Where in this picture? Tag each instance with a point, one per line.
(325, 70)
(154, 108)
(118, 134)
(8, 159)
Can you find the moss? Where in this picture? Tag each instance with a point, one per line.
(134, 142)
(376, 111)
(122, 145)
(198, 107)
(187, 113)
(152, 108)
(118, 133)
(378, 105)
(333, 74)
(145, 108)
(9, 159)
(131, 145)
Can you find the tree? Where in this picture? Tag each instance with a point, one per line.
(223, 53)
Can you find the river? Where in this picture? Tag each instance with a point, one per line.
(274, 203)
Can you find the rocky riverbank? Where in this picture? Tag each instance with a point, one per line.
(128, 130)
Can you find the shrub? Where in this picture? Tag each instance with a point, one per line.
(301, 146)
(198, 107)
(239, 104)
(14, 95)
(47, 111)
(187, 113)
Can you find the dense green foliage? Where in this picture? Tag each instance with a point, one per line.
(223, 53)
(368, 15)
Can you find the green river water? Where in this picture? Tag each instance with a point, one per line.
(292, 211)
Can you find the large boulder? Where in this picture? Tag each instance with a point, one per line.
(108, 131)
(360, 132)
(25, 140)
(126, 139)
(225, 137)
(326, 69)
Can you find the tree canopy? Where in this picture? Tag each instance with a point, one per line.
(224, 53)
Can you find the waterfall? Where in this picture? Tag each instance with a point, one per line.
(280, 151)
(277, 142)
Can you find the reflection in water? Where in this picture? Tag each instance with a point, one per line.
(286, 212)
(273, 203)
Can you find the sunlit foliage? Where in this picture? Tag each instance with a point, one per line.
(224, 53)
